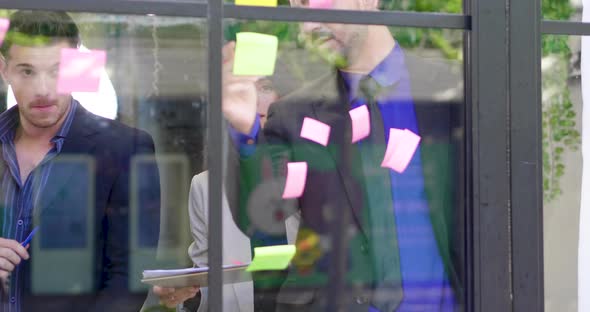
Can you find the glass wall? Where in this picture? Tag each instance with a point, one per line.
(312, 183)
(111, 197)
(354, 175)
(562, 10)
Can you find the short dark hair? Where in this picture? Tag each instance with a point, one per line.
(40, 28)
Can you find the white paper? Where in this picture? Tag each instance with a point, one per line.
(163, 273)
(175, 272)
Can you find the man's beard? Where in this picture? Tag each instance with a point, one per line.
(313, 42)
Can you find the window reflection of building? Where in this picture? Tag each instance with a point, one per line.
(102, 103)
(63, 248)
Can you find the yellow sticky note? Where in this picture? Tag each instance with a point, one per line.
(272, 258)
(256, 54)
(268, 3)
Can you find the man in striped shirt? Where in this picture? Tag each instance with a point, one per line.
(65, 171)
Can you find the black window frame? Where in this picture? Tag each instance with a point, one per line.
(503, 179)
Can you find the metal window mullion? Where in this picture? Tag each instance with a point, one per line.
(466, 198)
(526, 156)
(390, 18)
(565, 28)
(466, 194)
(215, 135)
(490, 193)
(132, 7)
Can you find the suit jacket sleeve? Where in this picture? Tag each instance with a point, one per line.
(265, 168)
(197, 209)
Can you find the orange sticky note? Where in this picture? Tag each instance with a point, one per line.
(4, 24)
(401, 146)
(320, 4)
(79, 71)
(315, 130)
(267, 3)
(361, 124)
(296, 177)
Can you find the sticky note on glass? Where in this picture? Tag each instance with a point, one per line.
(401, 146)
(395, 137)
(320, 4)
(268, 3)
(4, 23)
(296, 177)
(271, 258)
(315, 130)
(256, 54)
(361, 124)
(79, 71)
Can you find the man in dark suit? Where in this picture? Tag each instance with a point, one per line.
(373, 236)
(67, 172)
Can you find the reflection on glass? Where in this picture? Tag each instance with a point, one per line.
(367, 237)
(448, 6)
(562, 168)
(568, 10)
(95, 187)
(64, 246)
(102, 103)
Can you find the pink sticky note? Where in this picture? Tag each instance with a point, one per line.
(296, 176)
(316, 131)
(361, 124)
(4, 23)
(79, 71)
(320, 4)
(395, 137)
(401, 147)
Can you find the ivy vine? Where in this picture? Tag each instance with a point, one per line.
(559, 117)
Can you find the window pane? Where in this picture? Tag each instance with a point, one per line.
(365, 229)
(104, 174)
(562, 169)
(565, 10)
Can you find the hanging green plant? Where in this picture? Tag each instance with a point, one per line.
(559, 117)
(560, 134)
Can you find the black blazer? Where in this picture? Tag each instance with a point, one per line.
(110, 146)
(332, 205)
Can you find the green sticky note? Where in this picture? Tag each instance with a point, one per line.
(269, 3)
(256, 54)
(271, 258)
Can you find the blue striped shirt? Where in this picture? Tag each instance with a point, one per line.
(18, 197)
